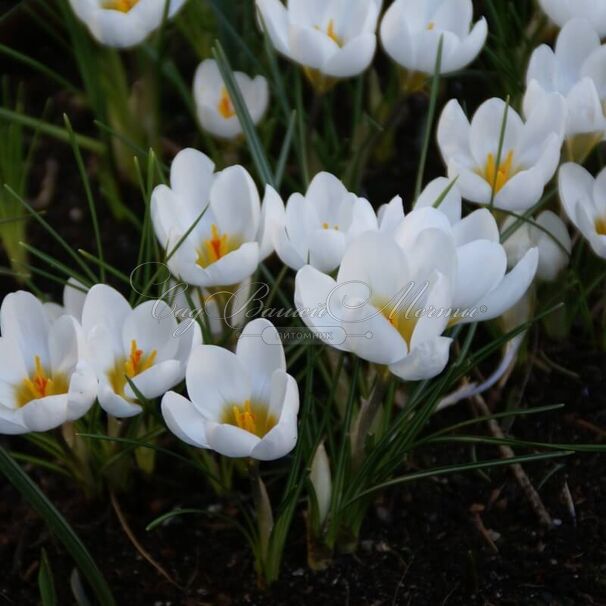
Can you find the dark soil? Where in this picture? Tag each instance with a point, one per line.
(468, 539)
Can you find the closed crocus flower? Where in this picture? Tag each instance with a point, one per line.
(411, 33)
(331, 39)
(548, 234)
(44, 378)
(211, 224)
(123, 23)
(371, 308)
(562, 11)
(317, 227)
(584, 200)
(240, 404)
(529, 151)
(576, 71)
(144, 346)
(216, 111)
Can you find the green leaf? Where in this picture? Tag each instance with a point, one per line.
(433, 101)
(450, 469)
(46, 583)
(58, 525)
(252, 138)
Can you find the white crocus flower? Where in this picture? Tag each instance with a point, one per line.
(584, 200)
(317, 227)
(144, 345)
(211, 224)
(411, 33)
(563, 11)
(241, 404)
(576, 71)
(44, 378)
(216, 112)
(123, 23)
(394, 297)
(331, 39)
(371, 309)
(529, 152)
(548, 234)
(74, 295)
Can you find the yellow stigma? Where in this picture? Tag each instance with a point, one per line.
(40, 385)
(134, 365)
(250, 416)
(119, 5)
(498, 176)
(600, 226)
(328, 226)
(225, 106)
(216, 247)
(431, 25)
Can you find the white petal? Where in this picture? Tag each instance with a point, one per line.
(116, 405)
(261, 353)
(82, 391)
(184, 420)
(215, 379)
(24, 321)
(425, 361)
(451, 205)
(510, 290)
(282, 438)
(229, 440)
(353, 58)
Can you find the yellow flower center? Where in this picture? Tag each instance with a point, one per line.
(124, 6)
(216, 247)
(600, 226)
(225, 106)
(497, 176)
(403, 320)
(431, 25)
(328, 226)
(130, 367)
(330, 32)
(40, 385)
(250, 416)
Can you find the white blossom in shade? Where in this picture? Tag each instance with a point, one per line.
(211, 224)
(123, 23)
(411, 33)
(216, 112)
(529, 151)
(576, 69)
(331, 39)
(548, 233)
(316, 227)
(144, 346)
(584, 200)
(45, 379)
(563, 11)
(241, 404)
(393, 297)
